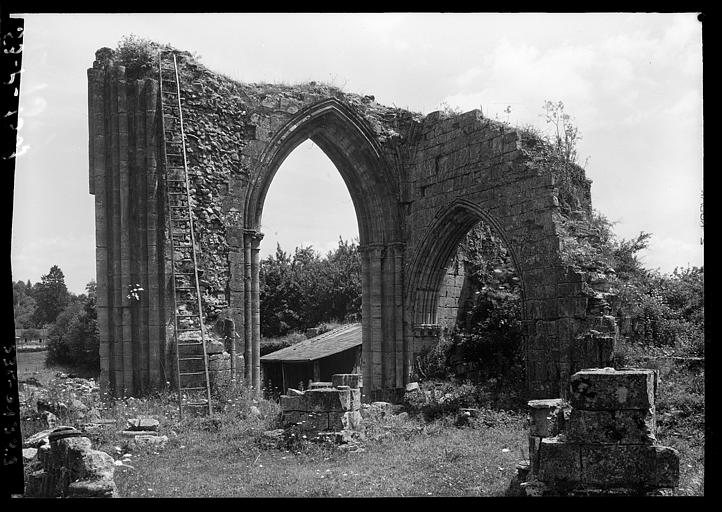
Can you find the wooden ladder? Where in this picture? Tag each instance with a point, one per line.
(189, 335)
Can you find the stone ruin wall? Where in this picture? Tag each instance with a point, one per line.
(418, 184)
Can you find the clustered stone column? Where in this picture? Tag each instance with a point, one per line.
(604, 441)
(325, 408)
(252, 327)
(125, 180)
(386, 362)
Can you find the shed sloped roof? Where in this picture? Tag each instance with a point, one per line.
(318, 347)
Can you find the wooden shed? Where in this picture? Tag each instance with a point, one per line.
(315, 359)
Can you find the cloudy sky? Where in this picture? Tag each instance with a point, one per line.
(632, 82)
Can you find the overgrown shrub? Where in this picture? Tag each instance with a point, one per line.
(138, 55)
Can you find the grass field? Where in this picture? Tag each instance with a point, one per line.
(401, 456)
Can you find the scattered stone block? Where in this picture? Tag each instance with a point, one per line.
(149, 441)
(294, 392)
(412, 386)
(133, 433)
(610, 389)
(143, 424)
(626, 426)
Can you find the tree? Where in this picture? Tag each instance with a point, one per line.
(302, 290)
(24, 305)
(51, 296)
(73, 338)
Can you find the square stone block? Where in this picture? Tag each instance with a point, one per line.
(559, 461)
(632, 426)
(629, 465)
(546, 417)
(293, 403)
(610, 389)
(328, 399)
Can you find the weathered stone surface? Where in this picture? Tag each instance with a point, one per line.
(546, 417)
(321, 385)
(355, 399)
(412, 386)
(629, 465)
(314, 421)
(559, 462)
(328, 399)
(344, 420)
(219, 362)
(215, 347)
(352, 380)
(609, 389)
(628, 426)
(534, 444)
(293, 403)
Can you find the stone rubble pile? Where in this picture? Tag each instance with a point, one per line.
(60, 462)
(328, 409)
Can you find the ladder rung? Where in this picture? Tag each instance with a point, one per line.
(186, 343)
(196, 404)
(199, 358)
(184, 374)
(189, 329)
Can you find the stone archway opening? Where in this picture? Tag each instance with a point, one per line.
(310, 229)
(346, 141)
(468, 304)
